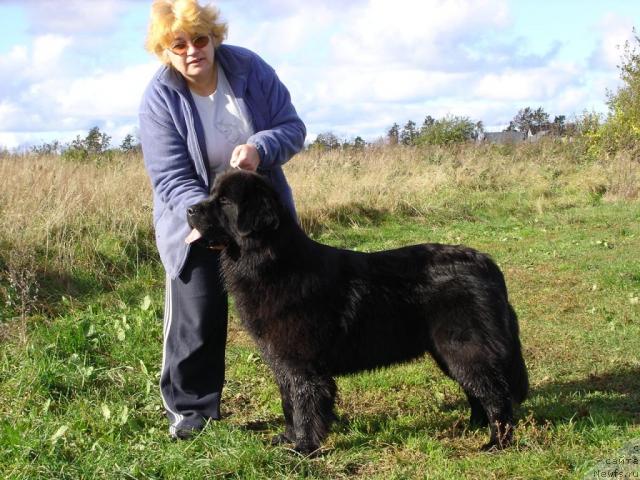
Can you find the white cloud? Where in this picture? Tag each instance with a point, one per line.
(107, 94)
(417, 32)
(23, 140)
(7, 113)
(574, 100)
(614, 32)
(12, 70)
(266, 10)
(72, 16)
(534, 84)
(16, 56)
(47, 54)
(24, 64)
(293, 37)
(382, 59)
(344, 85)
(9, 140)
(48, 97)
(120, 130)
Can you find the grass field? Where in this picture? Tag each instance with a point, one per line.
(82, 296)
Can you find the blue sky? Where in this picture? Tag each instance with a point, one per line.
(353, 67)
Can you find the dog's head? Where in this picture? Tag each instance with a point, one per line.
(243, 206)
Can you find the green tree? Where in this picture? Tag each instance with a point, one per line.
(393, 134)
(409, 133)
(326, 141)
(588, 124)
(427, 123)
(51, 148)
(529, 120)
(622, 128)
(97, 142)
(358, 143)
(558, 126)
(448, 130)
(129, 143)
(93, 147)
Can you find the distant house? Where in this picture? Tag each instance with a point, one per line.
(535, 137)
(508, 137)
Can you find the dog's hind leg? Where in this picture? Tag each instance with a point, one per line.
(478, 414)
(313, 399)
(486, 387)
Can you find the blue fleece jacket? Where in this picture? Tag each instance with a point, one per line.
(173, 143)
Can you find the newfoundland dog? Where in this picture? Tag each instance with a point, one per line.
(317, 311)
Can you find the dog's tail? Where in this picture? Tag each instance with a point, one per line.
(517, 375)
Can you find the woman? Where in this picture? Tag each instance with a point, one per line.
(209, 108)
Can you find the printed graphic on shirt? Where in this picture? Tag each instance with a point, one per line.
(225, 121)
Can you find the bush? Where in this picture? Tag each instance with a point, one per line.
(94, 147)
(621, 132)
(448, 130)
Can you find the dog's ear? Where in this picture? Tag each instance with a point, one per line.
(258, 213)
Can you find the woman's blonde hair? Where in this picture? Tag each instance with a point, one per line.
(169, 17)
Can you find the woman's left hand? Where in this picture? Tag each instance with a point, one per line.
(245, 157)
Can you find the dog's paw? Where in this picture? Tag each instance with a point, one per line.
(307, 449)
(495, 445)
(490, 447)
(280, 439)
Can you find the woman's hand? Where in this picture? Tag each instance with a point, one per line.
(245, 157)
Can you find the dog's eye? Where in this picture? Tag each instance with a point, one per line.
(223, 200)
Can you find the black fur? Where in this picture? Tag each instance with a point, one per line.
(316, 311)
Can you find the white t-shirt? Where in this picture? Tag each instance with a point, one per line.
(226, 123)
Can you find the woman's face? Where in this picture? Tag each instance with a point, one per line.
(191, 58)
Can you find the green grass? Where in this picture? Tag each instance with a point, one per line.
(79, 392)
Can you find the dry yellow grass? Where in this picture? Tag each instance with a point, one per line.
(417, 180)
(57, 206)
(66, 210)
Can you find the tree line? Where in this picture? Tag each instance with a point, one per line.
(618, 130)
(96, 145)
(457, 129)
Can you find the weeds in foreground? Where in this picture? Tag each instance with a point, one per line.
(21, 291)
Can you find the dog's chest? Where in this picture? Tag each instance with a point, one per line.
(259, 307)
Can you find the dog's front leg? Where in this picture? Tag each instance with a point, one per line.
(313, 399)
(289, 435)
(500, 414)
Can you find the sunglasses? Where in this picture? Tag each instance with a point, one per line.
(180, 47)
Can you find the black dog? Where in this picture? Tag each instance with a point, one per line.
(316, 311)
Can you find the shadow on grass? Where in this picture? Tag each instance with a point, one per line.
(56, 284)
(106, 275)
(268, 425)
(611, 398)
(344, 215)
(81, 270)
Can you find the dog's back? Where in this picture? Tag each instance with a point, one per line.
(398, 304)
